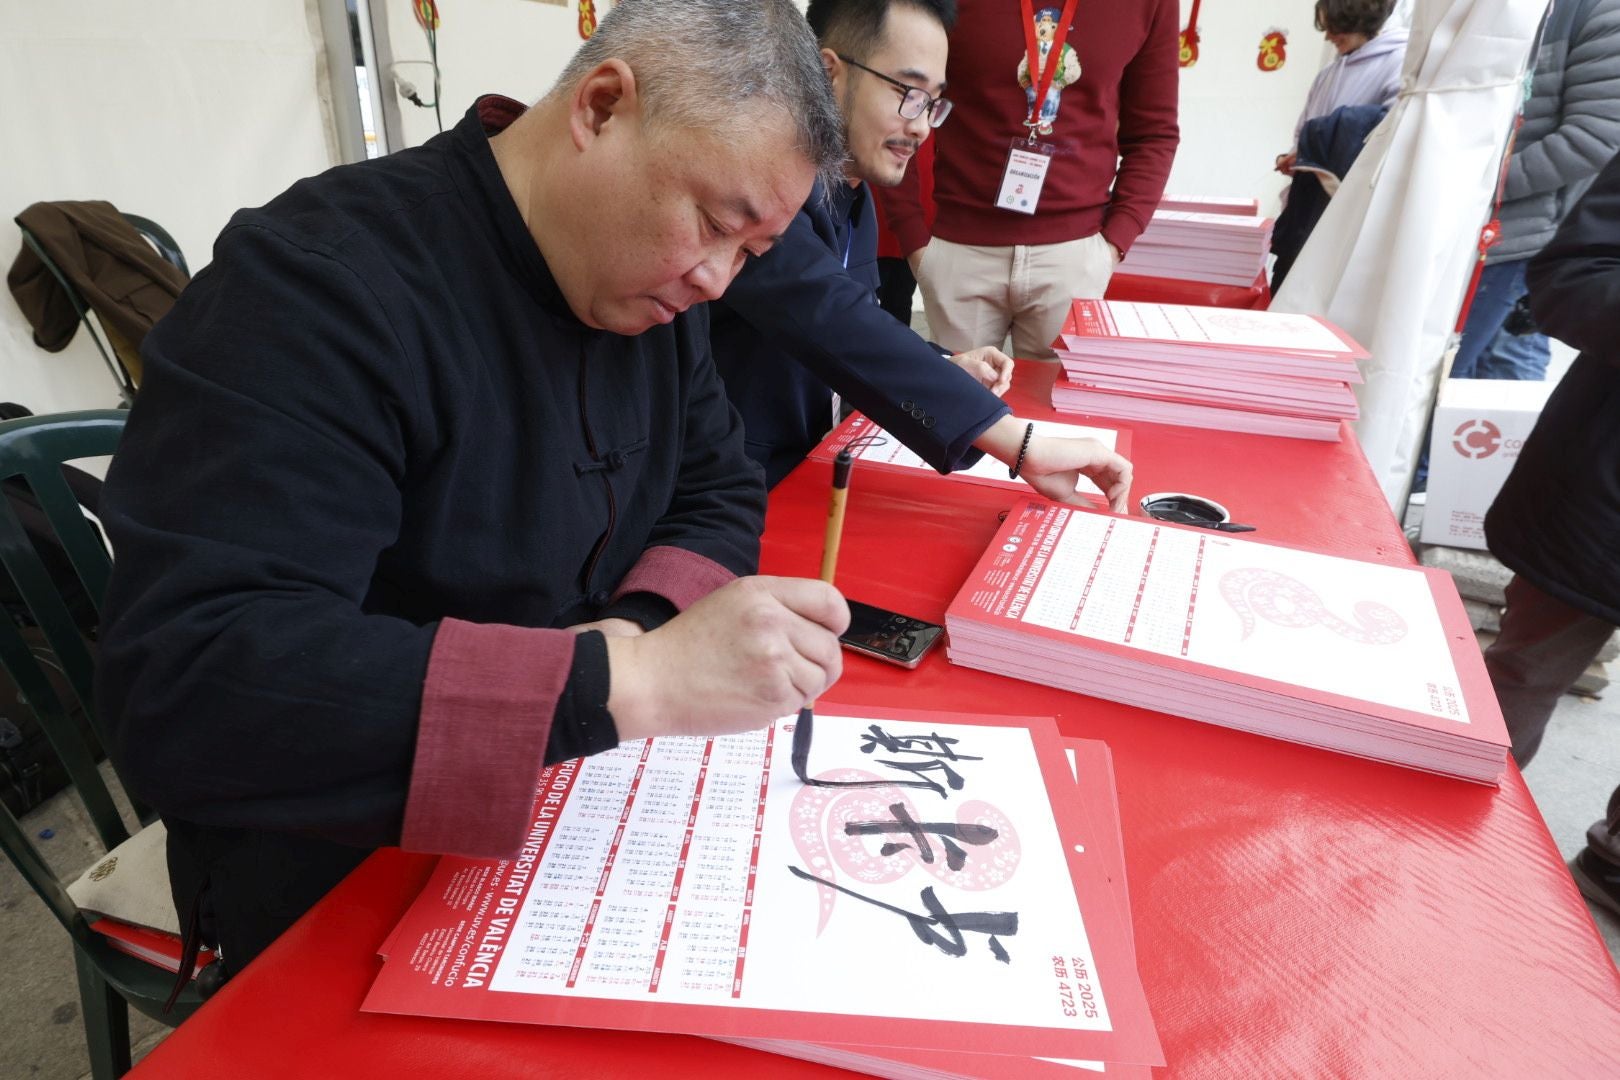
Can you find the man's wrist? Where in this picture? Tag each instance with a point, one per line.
(630, 696)
(1002, 439)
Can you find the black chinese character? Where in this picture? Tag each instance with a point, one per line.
(939, 927)
(918, 831)
(936, 748)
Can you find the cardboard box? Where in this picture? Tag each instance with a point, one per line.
(1479, 427)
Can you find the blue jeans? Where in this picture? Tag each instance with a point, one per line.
(1487, 351)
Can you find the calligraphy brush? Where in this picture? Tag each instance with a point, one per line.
(843, 464)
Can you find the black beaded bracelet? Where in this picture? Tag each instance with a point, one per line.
(1022, 450)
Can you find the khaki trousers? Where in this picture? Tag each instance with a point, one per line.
(975, 295)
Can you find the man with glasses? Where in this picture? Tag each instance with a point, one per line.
(800, 332)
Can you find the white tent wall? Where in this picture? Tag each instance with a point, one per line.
(511, 47)
(1235, 118)
(185, 110)
(1393, 254)
(178, 110)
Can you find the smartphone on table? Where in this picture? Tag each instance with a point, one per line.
(889, 635)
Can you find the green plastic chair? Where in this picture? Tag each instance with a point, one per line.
(34, 448)
(165, 246)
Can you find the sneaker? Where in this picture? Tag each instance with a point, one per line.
(1597, 878)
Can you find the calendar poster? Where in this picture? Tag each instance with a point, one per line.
(1351, 631)
(1093, 771)
(920, 894)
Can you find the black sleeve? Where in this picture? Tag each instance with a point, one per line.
(799, 297)
(1575, 280)
(718, 508)
(647, 610)
(582, 725)
(258, 480)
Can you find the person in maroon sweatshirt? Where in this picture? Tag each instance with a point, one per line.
(1017, 237)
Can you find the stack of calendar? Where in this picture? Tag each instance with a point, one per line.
(1219, 241)
(938, 895)
(1211, 204)
(1372, 660)
(1263, 372)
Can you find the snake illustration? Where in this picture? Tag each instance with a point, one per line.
(1282, 600)
(819, 815)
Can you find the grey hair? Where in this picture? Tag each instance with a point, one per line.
(700, 63)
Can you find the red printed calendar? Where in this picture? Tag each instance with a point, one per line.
(1211, 204)
(1102, 844)
(1263, 372)
(916, 898)
(1219, 244)
(1368, 659)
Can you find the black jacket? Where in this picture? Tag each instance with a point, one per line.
(372, 412)
(799, 324)
(1556, 521)
(1328, 144)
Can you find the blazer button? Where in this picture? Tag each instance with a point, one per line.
(908, 405)
(918, 414)
(928, 422)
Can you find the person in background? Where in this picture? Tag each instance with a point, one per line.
(432, 481)
(1017, 237)
(1367, 70)
(800, 333)
(1555, 521)
(897, 286)
(1571, 127)
(1324, 153)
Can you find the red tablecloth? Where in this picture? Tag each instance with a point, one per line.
(1297, 912)
(1157, 290)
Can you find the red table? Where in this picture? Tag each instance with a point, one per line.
(1158, 290)
(1297, 912)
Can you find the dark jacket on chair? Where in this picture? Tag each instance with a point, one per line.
(127, 284)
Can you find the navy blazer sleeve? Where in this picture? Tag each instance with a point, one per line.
(800, 298)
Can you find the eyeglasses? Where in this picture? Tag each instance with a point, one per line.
(914, 100)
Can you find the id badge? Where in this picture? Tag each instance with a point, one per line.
(1027, 163)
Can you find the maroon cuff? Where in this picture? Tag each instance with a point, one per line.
(682, 577)
(487, 706)
(1121, 230)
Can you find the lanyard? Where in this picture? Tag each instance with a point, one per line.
(1033, 45)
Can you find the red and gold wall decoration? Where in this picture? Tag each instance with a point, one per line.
(1273, 50)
